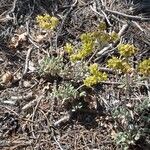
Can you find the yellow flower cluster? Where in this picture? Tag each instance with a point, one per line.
(118, 64)
(114, 36)
(69, 48)
(86, 48)
(88, 41)
(47, 22)
(102, 26)
(104, 37)
(127, 50)
(95, 77)
(144, 67)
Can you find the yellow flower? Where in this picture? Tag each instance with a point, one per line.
(90, 80)
(93, 68)
(114, 63)
(82, 54)
(54, 22)
(95, 77)
(86, 48)
(102, 26)
(101, 76)
(86, 38)
(118, 64)
(127, 50)
(114, 36)
(144, 67)
(73, 58)
(104, 37)
(68, 48)
(47, 22)
(126, 68)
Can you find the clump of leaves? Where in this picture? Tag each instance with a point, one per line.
(125, 139)
(51, 65)
(145, 105)
(64, 92)
(75, 72)
(135, 124)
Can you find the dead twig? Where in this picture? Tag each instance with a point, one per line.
(27, 61)
(23, 97)
(63, 119)
(38, 100)
(135, 18)
(4, 143)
